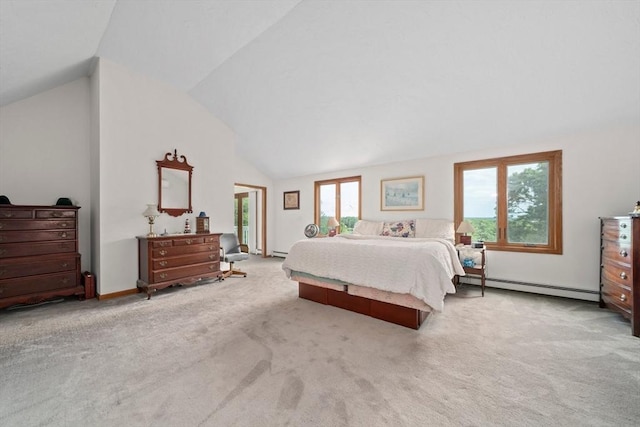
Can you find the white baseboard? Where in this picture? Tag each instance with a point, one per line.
(535, 288)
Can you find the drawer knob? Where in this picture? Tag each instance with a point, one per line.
(63, 235)
(1, 225)
(623, 275)
(64, 265)
(623, 225)
(211, 267)
(7, 215)
(212, 256)
(163, 263)
(623, 236)
(64, 281)
(163, 275)
(163, 252)
(623, 253)
(623, 297)
(188, 241)
(56, 214)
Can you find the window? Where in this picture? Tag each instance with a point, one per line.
(513, 203)
(339, 198)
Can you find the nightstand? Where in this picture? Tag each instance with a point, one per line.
(476, 270)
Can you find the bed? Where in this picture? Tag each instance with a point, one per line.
(376, 272)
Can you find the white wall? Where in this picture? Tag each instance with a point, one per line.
(140, 120)
(44, 153)
(601, 177)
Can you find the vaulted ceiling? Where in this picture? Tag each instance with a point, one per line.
(312, 86)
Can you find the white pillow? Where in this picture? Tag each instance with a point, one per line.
(368, 228)
(435, 228)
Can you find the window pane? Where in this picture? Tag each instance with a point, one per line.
(481, 202)
(349, 200)
(245, 211)
(327, 205)
(528, 203)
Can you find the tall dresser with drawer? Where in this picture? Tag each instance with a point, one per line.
(620, 267)
(183, 259)
(39, 256)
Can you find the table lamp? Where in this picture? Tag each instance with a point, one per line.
(464, 228)
(151, 213)
(332, 224)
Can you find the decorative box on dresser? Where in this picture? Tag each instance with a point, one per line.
(620, 267)
(39, 256)
(183, 259)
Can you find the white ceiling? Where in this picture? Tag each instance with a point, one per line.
(314, 86)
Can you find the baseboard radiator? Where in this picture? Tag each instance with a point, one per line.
(533, 285)
(279, 254)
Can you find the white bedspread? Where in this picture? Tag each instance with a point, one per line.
(420, 267)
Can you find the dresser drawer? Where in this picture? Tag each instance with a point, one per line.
(613, 293)
(8, 250)
(616, 252)
(188, 241)
(16, 213)
(179, 241)
(34, 284)
(36, 236)
(42, 224)
(183, 272)
(617, 273)
(28, 266)
(183, 250)
(162, 243)
(617, 230)
(185, 260)
(56, 213)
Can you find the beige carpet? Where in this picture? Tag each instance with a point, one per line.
(248, 352)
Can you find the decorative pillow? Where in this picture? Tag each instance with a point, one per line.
(435, 228)
(368, 228)
(406, 228)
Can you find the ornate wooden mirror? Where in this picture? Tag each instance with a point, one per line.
(174, 184)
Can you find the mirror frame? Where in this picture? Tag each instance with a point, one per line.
(179, 163)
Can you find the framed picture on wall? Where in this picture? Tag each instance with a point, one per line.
(292, 200)
(402, 194)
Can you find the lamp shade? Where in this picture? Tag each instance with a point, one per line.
(465, 228)
(333, 222)
(151, 211)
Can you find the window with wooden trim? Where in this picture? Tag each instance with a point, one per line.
(338, 198)
(513, 203)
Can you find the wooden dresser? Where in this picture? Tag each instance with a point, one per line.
(39, 256)
(620, 267)
(182, 259)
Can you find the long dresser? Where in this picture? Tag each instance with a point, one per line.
(39, 257)
(620, 267)
(182, 259)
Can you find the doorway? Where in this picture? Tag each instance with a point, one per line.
(250, 217)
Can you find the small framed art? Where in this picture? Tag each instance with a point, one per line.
(292, 200)
(402, 194)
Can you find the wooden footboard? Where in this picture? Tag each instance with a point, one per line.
(404, 316)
